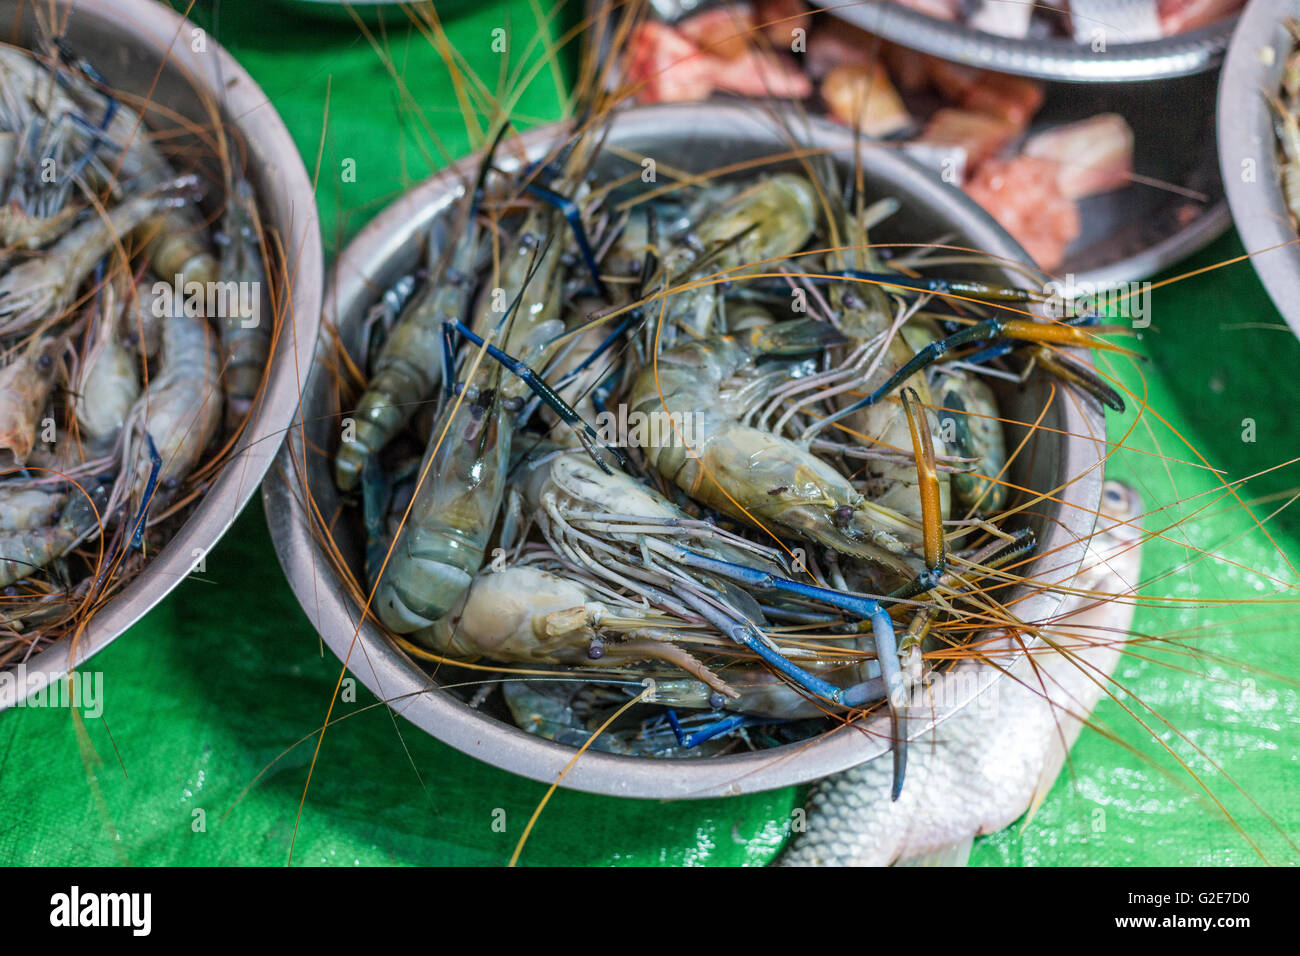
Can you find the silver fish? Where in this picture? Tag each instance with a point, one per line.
(984, 767)
(1003, 18)
(1119, 21)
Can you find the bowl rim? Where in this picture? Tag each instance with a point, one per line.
(391, 675)
(1245, 133)
(160, 30)
(1056, 58)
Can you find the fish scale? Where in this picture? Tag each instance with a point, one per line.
(988, 764)
(1132, 21)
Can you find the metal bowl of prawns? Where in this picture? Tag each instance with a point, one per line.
(324, 554)
(193, 441)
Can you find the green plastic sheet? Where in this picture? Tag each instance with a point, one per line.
(212, 703)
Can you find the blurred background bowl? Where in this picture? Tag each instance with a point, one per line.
(145, 50)
(1064, 455)
(1175, 204)
(1248, 150)
(1052, 58)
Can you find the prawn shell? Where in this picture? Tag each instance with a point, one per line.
(25, 386)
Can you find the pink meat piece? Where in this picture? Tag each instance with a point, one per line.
(727, 31)
(979, 134)
(665, 67)
(1023, 195)
(1092, 156)
(863, 98)
(1014, 98)
(952, 80)
(1179, 16)
(760, 73)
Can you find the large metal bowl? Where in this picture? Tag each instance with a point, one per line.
(1054, 58)
(1248, 153)
(695, 137)
(145, 49)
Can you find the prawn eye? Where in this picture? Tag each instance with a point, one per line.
(44, 362)
(1113, 496)
(843, 515)
(716, 701)
(171, 484)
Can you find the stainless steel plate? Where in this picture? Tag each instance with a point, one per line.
(1059, 59)
(144, 48)
(1176, 207)
(1248, 150)
(694, 137)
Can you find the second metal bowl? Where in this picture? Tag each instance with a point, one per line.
(1248, 150)
(146, 51)
(1062, 458)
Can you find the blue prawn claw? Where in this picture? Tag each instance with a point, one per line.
(539, 387)
(155, 465)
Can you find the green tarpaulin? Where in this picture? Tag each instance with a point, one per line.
(194, 759)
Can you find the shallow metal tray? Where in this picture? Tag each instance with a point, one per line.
(1178, 205)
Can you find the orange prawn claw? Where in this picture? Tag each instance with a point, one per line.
(1071, 336)
(927, 474)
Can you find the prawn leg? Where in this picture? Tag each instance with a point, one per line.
(376, 494)
(568, 209)
(934, 285)
(988, 331)
(155, 466)
(539, 387)
(723, 725)
(605, 345)
(927, 474)
(748, 636)
(856, 604)
(882, 628)
(1008, 346)
(74, 61)
(573, 215)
